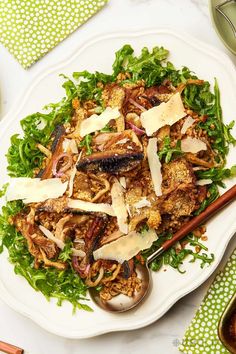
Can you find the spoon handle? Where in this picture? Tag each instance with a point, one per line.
(212, 209)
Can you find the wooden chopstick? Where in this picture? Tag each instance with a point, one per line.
(212, 209)
(10, 349)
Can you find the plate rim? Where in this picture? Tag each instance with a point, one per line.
(38, 317)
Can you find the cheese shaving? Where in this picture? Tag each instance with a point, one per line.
(187, 124)
(203, 182)
(60, 244)
(167, 113)
(123, 182)
(33, 190)
(126, 247)
(143, 202)
(70, 146)
(154, 165)
(119, 207)
(51, 237)
(91, 207)
(98, 122)
(192, 145)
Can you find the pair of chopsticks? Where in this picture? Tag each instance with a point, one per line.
(10, 349)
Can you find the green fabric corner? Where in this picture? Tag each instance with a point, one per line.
(201, 336)
(31, 28)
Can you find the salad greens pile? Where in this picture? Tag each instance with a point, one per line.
(24, 157)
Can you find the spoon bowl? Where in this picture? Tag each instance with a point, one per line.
(122, 303)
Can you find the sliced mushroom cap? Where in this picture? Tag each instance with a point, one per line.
(113, 161)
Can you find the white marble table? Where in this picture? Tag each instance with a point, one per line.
(164, 335)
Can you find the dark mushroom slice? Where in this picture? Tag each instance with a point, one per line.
(56, 149)
(58, 132)
(113, 161)
(93, 235)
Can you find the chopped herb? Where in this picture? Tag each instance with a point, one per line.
(66, 253)
(212, 194)
(167, 152)
(86, 142)
(107, 129)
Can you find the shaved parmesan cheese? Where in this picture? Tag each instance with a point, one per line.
(154, 165)
(122, 141)
(69, 145)
(203, 182)
(97, 122)
(123, 182)
(32, 190)
(128, 210)
(192, 145)
(126, 247)
(93, 207)
(187, 124)
(60, 244)
(71, 181)
(143, 202)
(167, 113)
(51, 237)
(119, 207)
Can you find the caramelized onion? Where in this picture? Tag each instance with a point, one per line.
(136, 129)
(137, 105)
(63, 168)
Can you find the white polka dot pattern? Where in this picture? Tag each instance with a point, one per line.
(30, 28)
(201, 336)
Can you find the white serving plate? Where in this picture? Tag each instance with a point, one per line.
(169, 285)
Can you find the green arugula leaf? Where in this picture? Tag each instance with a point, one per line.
(121, 58)
(212, 194)
(209, 105)
(107, 129)
(86, 142)
(63, 285)
(66, 253)
(167, 152)
(89, 89)
(217, 174)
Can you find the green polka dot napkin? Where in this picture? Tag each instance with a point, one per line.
(201, 337)
(30, 28)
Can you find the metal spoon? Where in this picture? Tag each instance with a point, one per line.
(122, 303)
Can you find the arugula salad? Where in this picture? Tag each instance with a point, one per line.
(110, 172)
